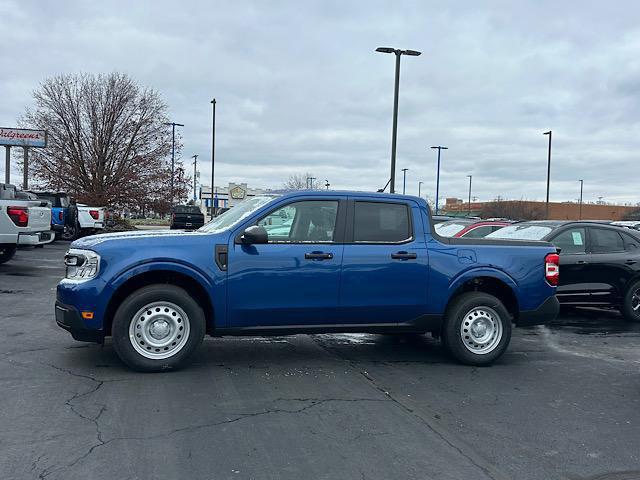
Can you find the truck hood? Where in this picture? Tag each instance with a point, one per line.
(137, 237)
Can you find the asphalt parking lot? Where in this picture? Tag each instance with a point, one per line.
(564, 402)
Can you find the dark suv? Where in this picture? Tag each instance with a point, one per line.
(599, 263)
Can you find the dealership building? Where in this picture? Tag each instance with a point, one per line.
(229, 196)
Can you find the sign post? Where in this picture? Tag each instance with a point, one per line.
(25, 138)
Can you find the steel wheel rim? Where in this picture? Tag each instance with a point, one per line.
(635, 301)
(481, 330)
(159, 330)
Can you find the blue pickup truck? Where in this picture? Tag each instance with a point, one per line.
(304, 262)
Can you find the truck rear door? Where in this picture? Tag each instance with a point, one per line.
(385, 267)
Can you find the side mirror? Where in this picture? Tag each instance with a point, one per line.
(255, 234)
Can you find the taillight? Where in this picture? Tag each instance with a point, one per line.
(94, 214)
(552, 268)
(19, 215)
(60, 215)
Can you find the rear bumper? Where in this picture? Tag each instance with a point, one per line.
(36, 238)
(69, 318)
(545, 313)
(57, 227)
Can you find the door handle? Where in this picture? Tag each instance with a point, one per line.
(404, 256)
(581, 262)
(318, 256)
(630, 261)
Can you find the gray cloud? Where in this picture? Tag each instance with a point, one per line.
(299, 86)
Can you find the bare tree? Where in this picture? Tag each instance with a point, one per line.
(106, 140)
(301, 181)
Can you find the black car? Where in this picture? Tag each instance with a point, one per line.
(599, 263)
(187, 217)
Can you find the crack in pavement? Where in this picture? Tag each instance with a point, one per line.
(448, 437)
(314, 402)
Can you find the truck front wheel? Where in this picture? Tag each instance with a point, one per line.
(157, 328)
(477, 328)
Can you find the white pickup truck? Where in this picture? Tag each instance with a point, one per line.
(22, 222)
(90, 220)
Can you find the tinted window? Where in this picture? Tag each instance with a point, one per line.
(479, 232)
(630, 243)
(186, 209)
(307, 221)
(571, 241)
(381, 222)
(605, 241)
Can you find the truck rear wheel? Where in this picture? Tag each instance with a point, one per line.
(477, 329)
(157, 328)
(7, 252)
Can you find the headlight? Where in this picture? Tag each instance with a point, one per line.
(81, 264)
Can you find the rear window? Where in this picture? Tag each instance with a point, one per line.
(522, 232)
(379, 222)
(186, 209)
(449, 229)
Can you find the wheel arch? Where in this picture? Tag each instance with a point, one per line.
(494, 283)
(138, 280)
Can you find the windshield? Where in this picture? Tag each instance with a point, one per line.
(234, 215)
(522, 232)
(449, 229)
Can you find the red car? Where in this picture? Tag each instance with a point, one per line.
(469, 228)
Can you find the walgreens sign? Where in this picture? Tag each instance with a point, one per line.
(23, 137)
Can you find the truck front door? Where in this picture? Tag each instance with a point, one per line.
(294, 279)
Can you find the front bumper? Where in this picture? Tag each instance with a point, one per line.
(545, 313)
(36, 238)
(69, 318)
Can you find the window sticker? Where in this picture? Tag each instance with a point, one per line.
(577, 238)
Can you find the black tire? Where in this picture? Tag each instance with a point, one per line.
(71, 232)
(455, 340)
(7, 252)
(127, 314)
(629, 301)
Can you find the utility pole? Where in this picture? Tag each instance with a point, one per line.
(581, 185)
(419, 187)
(394, 133)
(438, 175)
(548, 171)
(404, 180)
(213, 154)
(195, 175)
(470, 177)
(173, 153)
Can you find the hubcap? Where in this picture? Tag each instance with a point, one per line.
(481, 330)
(159, 330)
(635, 301)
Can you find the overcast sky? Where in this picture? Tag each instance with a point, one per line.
(300, 88)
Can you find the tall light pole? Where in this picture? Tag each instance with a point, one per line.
(438, 175)
(548, 171)
(419, 187)
(581, 185)
(394, 132)
(213, 153)
(470, 178)
(404, 180)
(326, 183)
(195, 174)
(173, 152)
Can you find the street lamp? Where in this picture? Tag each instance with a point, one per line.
(438, 175)
(419, 187)
(404, 180)
(581, 185)
(173, 151)
(195, 175)
(213, 153)
(548, 171)
(470, 178)
(326, 183)
(394, 133)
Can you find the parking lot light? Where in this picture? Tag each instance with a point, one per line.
(548, 172)
(438, 174)
(394, 133)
